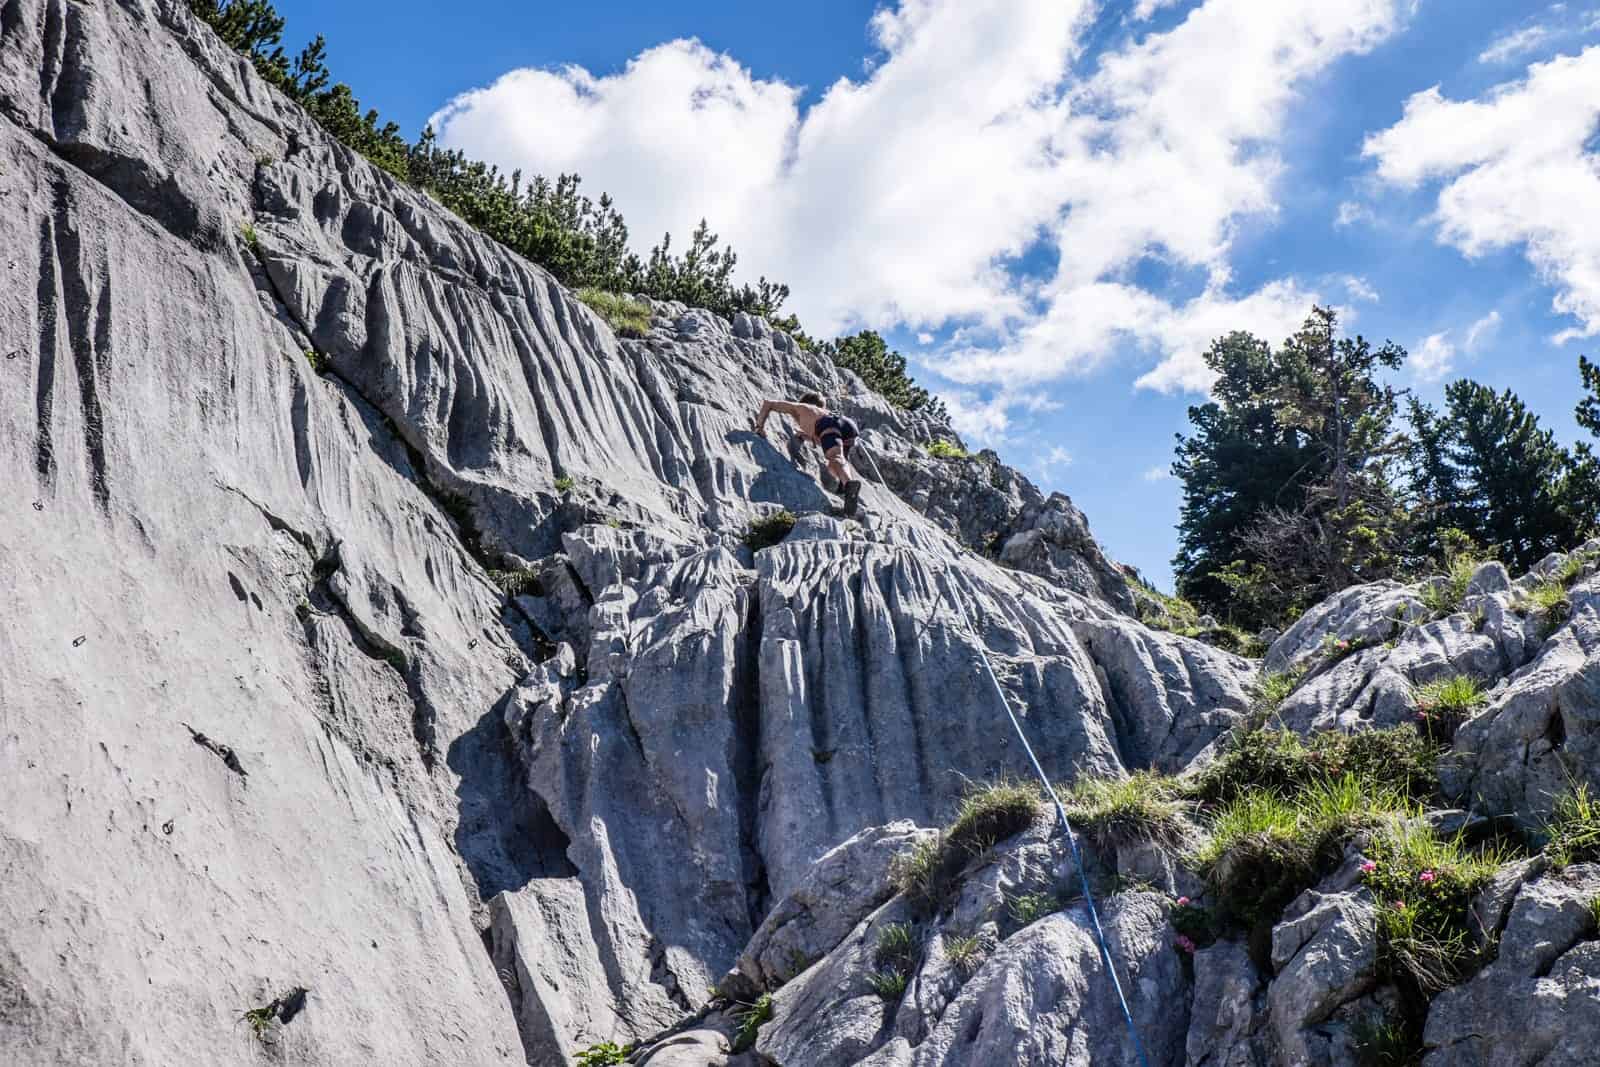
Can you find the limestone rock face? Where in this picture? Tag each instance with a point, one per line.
(390, 674)
(270, 419)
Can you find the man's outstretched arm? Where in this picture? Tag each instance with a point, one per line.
(782, 407)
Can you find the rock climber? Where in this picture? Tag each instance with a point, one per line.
(835, 434)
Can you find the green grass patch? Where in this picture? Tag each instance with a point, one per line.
(1335, 648)
(1141, 807)
(564, 484)
(769, 530)
(1443, 705)
(316, 359)
(1282, 763)
(750, 1020)
(251, 239)
(942, 449)
(897, 947)
(1266, 849)
(521, 582)
(1572, 832)
(988, 815)
(626, 317)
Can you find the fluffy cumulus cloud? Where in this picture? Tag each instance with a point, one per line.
(907, 197)
(1434, 358)
(1516, 168)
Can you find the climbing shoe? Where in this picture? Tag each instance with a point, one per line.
(852, 496)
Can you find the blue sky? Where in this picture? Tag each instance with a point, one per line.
(1052, 205)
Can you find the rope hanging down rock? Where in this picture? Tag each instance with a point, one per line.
(1061, 813)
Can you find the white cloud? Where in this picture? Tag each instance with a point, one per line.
(1158, 474)
(1482, 330)
(1352, 212)
(1054, 460)
(1517, 43)
(899, 198)
(1516, 168)
(924, 338)
(1359, 289)
(1146, 8)
(1433, 358)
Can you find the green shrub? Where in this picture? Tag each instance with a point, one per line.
(521, 582)
(1424, 887)
(769, 530)
(316, 359)
(1443, 705)
(1143, 806)
(626, 317)
(605, 1054)
(750, 1020)
(987, 815)
(251, 239)
(1573, 829)
(946, 450)
(564, 484)
(1335, 648)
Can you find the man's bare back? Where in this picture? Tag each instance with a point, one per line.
(834, 434)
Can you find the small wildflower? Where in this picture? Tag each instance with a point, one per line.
(1399, 905)
(1183, 902)
(1427, 877)
(1184, 944)
(1368, 867)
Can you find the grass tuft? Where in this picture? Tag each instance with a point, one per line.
(1028, 908)
(890, 984)
(1387, 1041)
(946, 450)
(1282, 763)
(251, 239)
(1547, 600)
(1443, 705)
(1424, 886)
(1141, 807)
(989, 814)
(964, 953)
(626, 317)
(750, 1020)
(1573, 830)
(770, 530)
(317, 360)
(564, 484)
(521, 582)
(1444, 598)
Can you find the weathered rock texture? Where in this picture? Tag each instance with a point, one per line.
(274, 739)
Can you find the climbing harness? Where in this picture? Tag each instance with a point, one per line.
(1061, 813)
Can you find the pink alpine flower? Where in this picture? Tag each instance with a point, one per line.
(1399, 905)
(1427, 877)
(1368, 867)
(1183, 902)
(1184, 944)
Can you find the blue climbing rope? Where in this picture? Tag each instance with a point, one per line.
(1061, 813)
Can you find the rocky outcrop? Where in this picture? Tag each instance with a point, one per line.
(394, 680)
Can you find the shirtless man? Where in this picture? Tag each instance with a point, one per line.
(836, 435)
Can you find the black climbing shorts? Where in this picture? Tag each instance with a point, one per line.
(836, 430)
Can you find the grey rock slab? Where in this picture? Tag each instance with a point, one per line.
(1535, 1002)
(1324, 959)
(1227, 1017)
